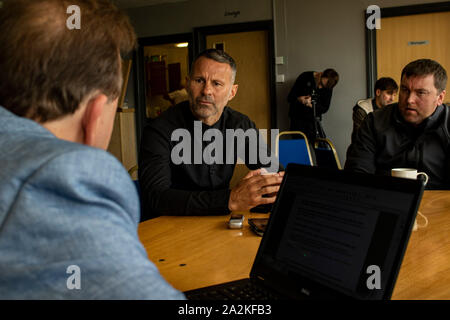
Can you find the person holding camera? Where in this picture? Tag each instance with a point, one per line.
(308, 99)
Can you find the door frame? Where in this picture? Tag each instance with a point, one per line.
(371, 37)
(139, 74)
(201, 33)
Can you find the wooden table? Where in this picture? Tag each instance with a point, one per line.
(193, 252)
(425, 271)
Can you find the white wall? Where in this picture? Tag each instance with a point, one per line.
(313, 36)
(173, 18)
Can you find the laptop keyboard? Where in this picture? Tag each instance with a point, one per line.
(238, 290)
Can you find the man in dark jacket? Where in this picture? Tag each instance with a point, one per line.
(196, 180)
(413, 133)
(311, 87)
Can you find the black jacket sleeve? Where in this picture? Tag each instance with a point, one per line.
(324, 101)
(362, 151)
(358, 116)
(298, 88)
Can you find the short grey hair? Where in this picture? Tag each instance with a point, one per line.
(218, 56)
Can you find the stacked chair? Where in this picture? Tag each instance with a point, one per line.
(325, 154)
(294, 147)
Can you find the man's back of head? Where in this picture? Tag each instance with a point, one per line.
(49, 68)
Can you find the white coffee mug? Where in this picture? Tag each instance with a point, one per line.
(410, 173)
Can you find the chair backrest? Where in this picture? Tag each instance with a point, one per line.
(325, 154)
(293, 147)
(132, 170)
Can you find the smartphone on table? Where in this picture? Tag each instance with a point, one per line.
(258, 225)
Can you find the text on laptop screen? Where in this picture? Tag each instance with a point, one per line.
(331, 232)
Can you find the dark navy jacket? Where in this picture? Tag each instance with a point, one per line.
(385, 141)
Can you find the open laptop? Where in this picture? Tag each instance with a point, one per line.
(332, 234)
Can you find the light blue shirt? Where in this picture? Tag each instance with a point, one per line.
(68, 221)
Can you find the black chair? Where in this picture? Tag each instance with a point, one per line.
(325, 154)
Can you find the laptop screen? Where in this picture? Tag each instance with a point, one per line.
(338, 234)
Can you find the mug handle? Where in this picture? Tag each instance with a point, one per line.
(425, 218)
(424, 174)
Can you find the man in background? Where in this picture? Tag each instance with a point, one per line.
(200, 187)
(68, 209)
(413, 133)
(309, 99)
(385, 92)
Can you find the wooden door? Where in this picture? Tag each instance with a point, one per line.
(157, 78)
(250, 52)
(406, 38)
